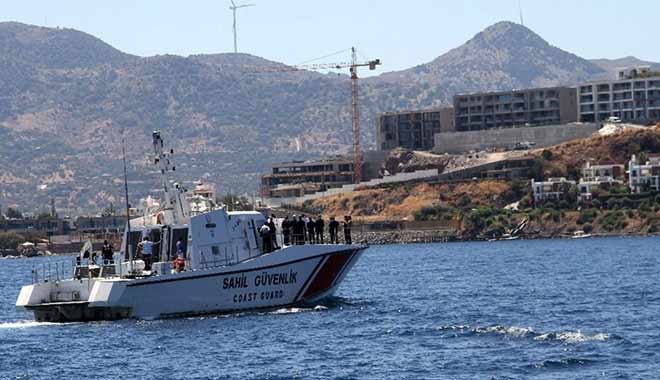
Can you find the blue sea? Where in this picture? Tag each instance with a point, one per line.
(542, 309)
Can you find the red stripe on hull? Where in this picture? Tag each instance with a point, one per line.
(328, 273)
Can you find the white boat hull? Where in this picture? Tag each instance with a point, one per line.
(290, 276)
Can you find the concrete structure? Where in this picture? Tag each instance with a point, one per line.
(644, 176)
(412, 130)
(602, 176)
(397, 178)
(633, 97)
(461, 142)
(297, 178)
(507, 169)
(551, 190)
(535, 106)
(100, 224)
(49, 226)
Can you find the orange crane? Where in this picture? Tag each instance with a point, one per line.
(353, 66)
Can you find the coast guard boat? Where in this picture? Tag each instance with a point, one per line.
(225, 267)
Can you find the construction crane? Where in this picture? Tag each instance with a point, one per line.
(353, 66)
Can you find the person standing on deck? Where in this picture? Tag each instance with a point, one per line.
(273, 232)
(264, 231)
(147, 251)
(107, 251)
(286, 230)
(305, 223)
(179, 247)
(318, 228)
(299, 231)
(311, 225)
(333, 226)
(348, 223)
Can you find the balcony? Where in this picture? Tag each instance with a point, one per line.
(586, 90)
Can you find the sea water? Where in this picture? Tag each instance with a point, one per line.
(542, 309)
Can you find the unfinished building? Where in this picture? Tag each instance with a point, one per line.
(297, 178)
(412, 130)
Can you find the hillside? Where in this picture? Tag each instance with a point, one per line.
(67, 97)
(503, 56)
(611, 66)
(477, 206)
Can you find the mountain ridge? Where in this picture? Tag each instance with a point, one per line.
(62, 115)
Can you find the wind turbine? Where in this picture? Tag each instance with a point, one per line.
(233, 8)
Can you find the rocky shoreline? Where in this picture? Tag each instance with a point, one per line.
(418, 237)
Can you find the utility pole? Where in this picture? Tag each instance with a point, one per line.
(233, 8)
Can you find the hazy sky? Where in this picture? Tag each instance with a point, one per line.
(401, 33)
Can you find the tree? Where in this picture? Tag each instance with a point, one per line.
(564, 204)
(547, 154)
(573, 171)
(43, 215)
(13, 213)
(235, 202)
(10, 240)
(536, 170)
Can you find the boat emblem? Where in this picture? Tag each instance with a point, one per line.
(210, 225)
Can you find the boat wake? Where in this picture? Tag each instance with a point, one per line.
(295, 310)
(518, 332)
(25, 324)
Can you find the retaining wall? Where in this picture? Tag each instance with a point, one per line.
(547, 135)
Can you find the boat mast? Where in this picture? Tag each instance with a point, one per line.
(128, 207)
(175, 210)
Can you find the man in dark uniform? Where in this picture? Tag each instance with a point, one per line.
(107, 252)
(318, 228)
(266, 245)
(311, 225)
(348, 223)
(299, 231)
(333, 226)
(273, 232)
(286, 230)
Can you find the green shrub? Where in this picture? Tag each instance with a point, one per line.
(587, 216)
(547, 154)
(613, 220)
(587, 228)
(613, 204)
(10, 240)
(627, 203)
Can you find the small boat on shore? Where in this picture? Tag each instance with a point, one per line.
(505, 237)
(580, 235)
(203, 262)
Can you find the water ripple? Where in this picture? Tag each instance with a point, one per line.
(529, 309)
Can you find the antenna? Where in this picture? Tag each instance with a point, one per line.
(233, 8)
(128, 207)
(521, 13)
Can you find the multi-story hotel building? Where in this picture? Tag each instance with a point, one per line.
(633, 96)
(528, 107)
